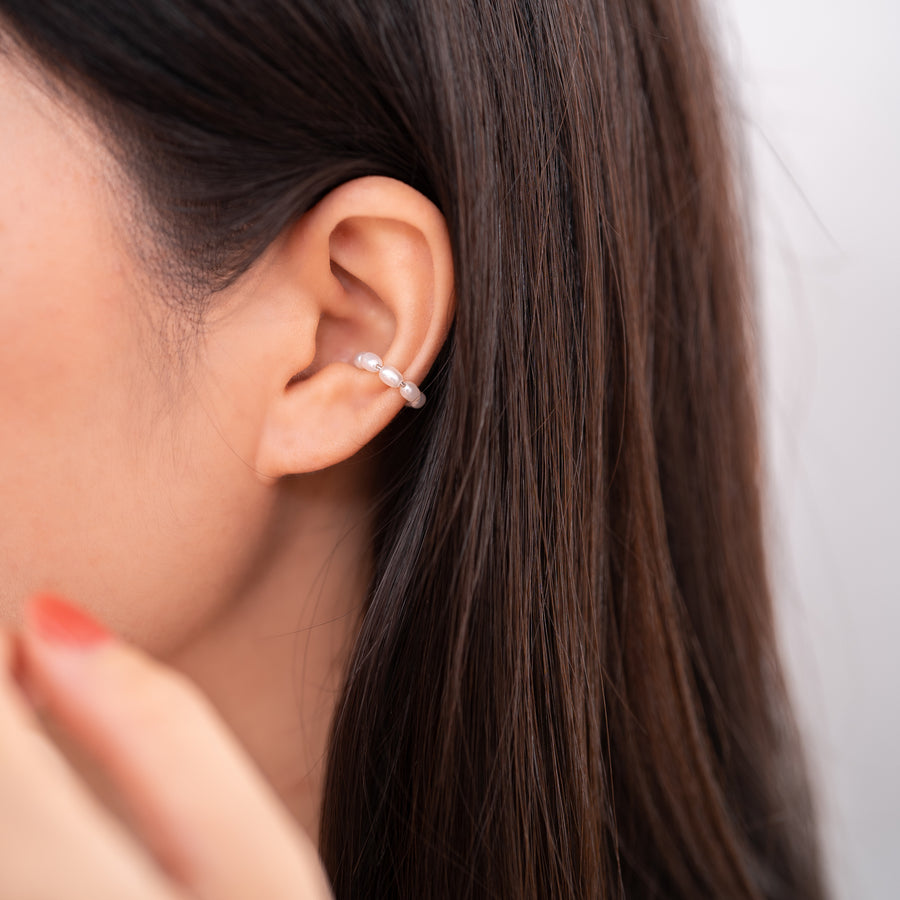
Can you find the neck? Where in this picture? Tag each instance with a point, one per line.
(272, 661)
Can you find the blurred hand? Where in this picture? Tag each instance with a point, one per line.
(203, 822)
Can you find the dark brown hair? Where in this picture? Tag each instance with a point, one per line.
(566, 682)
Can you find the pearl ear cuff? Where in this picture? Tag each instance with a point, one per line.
(372, 362)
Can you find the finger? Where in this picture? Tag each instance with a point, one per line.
(16, 700)
(196, 798)
(21, 731)
(45, 811)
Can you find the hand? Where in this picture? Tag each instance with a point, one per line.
(203, 822)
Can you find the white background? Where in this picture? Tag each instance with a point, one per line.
(819, 88)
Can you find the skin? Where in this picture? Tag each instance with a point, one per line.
(185, 487)
(207, 827)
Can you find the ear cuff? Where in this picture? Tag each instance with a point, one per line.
(372, 362)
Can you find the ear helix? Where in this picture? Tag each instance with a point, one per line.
(372, 362)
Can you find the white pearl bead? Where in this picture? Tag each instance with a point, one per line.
(371, 362)
(390, 376)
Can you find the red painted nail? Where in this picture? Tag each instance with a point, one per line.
(59, 622)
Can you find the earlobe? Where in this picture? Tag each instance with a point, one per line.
(373, 260)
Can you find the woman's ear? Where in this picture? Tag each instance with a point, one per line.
(369, 268)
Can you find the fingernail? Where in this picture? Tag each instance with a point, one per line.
(59, 622)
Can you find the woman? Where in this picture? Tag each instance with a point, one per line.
(514, 642)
